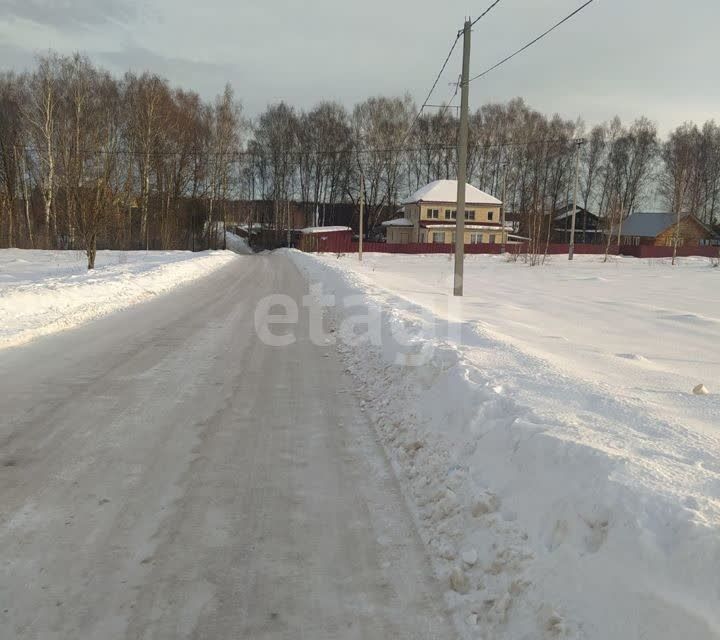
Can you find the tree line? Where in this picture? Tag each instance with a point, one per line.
(89, 160)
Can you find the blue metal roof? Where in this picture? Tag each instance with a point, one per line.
(648, 225)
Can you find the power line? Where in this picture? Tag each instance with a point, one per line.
(448, 104)
(236, 156)
(429, 95)
(532, 42)
(484, 13)
(445, 64)
(439, 75)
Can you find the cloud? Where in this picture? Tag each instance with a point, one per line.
(204, 77)
(610, 60)
(69, 14)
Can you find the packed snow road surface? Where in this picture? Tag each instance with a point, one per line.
(165, 474)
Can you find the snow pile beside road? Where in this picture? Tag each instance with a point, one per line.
(43, 292)
(237, 243)
(232, 241)
(554, 506)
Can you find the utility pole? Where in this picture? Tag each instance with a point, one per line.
(287, 220)
(362, 216)
(502, 208)
(462, 163)
(571, 251)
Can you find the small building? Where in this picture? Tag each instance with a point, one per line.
(659, 230)
(399, 231)
(430, 216)
(587, 226)
(325, 239)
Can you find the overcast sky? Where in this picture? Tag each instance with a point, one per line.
(626, 57)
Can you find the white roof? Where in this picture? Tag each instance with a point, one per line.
(399, 222)
(324, 229)
(446, 191)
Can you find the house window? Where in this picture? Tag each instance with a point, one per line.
(470, 215)
(437, 237)
(491, 215)
(476, 238)
(450, 214)
(433, 214)
(491, 238)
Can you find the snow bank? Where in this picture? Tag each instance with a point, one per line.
(238, 244)
(554, 503)
(44, 292)
(232, 241)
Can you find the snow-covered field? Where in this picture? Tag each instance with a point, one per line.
(43, 292)
(564, 476)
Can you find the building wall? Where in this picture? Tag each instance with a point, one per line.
(692, 233)
(447, 236)
(423, 212)
(401, 235)
(412, 212)
(482, 213)
(332, 241)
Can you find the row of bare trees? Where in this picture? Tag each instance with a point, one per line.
(88, 160)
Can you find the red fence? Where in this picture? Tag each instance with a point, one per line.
(341, 243)
(650, 251)
(553, 249)
(417, 247)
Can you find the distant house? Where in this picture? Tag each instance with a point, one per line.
(400, 230)
(430, 215)
(513, 219)
(335, 238)
(587, 226)
(659, 229)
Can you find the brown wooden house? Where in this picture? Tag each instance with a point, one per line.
(659, 229)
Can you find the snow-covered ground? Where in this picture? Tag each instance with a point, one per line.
(43, 292)
(563, 474)
(237, 243)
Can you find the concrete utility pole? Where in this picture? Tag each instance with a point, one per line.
(571, 251)
(502, 209)
(462, 163)
(362, 217)
(287, 219)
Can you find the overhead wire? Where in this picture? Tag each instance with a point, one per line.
(484, 13)
(532, 42)
(236, 156)
(437, 79)
(432, 89)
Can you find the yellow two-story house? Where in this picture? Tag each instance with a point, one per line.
(430, 215)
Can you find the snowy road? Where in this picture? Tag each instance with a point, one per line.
(164, 474)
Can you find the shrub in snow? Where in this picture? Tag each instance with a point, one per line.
(486, 503)
(459, 581)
